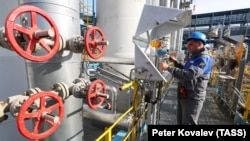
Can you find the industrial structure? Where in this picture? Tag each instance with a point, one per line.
(219, 24)
(228, 38)
(71, 68)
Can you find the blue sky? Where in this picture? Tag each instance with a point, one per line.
(207, 6)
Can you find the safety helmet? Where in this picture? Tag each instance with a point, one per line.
(198, 36)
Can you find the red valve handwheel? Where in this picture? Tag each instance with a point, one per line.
(92, 36)
(94, 101)
(37, 116)
(11, 27)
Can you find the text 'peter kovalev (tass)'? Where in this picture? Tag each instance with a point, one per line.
(211, 131)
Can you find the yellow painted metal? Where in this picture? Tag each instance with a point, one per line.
(239, 51)
(214, 75)
(108, 132)
(108, 137)
(85, 55)
(127, 85)
(247, 107)
(136, 100)
(135, 106)
(127, 135)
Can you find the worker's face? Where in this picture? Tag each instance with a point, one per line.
(194, 46)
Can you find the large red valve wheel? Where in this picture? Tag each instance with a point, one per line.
(11, 28)
(39, 116)
(93, 99)
(93, 36)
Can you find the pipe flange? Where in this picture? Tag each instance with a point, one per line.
(62, 45)
(3, 116)
(3, 40)
(83, 81)
(16, 105)
(75, 44)
(32, 91)
(78, 90)
(62, 89)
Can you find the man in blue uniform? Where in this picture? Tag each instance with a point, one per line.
(193, 78)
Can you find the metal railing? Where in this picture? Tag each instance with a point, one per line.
(107, 135)
(131, 134)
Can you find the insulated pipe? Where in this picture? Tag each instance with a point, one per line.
(63, 67)
(105, 117)
(114, 60)
(166, 3)
(113, 15)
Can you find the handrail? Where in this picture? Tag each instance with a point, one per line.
(247, 107)
(127, 85)
(108, 133)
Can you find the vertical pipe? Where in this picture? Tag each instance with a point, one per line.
(63, 67)
(166, 3)
(13, 76)
(93, 16)
(119, 25)
(174, 45)
(155, 106)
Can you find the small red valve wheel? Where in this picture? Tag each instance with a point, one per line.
(95, 43)
(96, 94)
(32, 33)
(42, 114)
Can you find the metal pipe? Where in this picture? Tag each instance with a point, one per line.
(127, 85)
(3, 41)
(107, 117)
(114, 60)
(114, 98)
(117, 82)
(116, 70)
(108, 131)
(105, 73)
(44, 74)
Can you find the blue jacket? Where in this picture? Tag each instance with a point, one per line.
(194, 75)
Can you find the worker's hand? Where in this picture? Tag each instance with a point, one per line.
(172, 59)
(163, 66)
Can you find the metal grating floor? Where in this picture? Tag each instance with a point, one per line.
(213, 112)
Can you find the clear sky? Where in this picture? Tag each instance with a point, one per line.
(208, 6)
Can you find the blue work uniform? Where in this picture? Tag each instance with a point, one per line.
(193, 78)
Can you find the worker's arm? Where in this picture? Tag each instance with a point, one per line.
(184, 74)
(176, 62)
(198, 68)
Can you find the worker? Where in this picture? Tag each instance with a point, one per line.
(193, 78)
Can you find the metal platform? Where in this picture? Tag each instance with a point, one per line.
(213, 112)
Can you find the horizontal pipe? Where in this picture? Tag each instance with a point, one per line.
(114, 60)
(127, 85)
(105, 117)
(109, 130)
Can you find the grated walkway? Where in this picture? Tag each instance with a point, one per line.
(213, 112)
